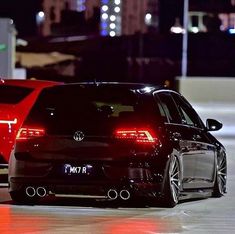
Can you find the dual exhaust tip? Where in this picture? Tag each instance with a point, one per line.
(123, 194)
(112, 193)
(39, 191)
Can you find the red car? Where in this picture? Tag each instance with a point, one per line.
(16, 99)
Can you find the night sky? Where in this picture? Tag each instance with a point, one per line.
(23, 12)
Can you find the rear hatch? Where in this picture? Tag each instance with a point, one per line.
(88, 123)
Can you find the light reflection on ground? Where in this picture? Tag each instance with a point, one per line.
(12, 222)
(55, 219)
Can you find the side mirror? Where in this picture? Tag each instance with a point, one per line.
(213, 125)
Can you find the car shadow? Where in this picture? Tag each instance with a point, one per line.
(101, 203)
(97, 203)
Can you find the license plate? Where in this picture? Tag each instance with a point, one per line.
(69, 169)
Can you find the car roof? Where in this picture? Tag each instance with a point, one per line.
(141, 87)
(28, 83)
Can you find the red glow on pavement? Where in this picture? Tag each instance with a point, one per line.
(17, 223)
(5, 223)
(135, 227)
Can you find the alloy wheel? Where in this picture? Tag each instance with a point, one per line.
(222, 173)
(174, 175)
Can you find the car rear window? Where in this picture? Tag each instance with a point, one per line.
(63, 108)
(13, 94)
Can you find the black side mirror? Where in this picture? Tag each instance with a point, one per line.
(213, 125)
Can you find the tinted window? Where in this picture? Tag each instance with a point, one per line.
(189, 115)
(169, 107)
(160, 109)
(13, 94)
(97, 109)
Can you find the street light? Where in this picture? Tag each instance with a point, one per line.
(177, 28)
(185, 41)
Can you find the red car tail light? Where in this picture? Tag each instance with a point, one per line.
(137, 135)
(26, 133)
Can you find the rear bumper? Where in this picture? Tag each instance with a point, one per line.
(139, 177)
(139, 181)
(95, 188)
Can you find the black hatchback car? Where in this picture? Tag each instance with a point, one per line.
(115, 141)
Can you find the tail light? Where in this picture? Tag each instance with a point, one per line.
(137, 135)
(26, 133)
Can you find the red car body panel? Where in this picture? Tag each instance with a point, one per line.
(13, 115)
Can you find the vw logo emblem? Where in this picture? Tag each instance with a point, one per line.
(78, 136)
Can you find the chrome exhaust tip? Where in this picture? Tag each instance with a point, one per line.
(112, 194)
(41, 192)
(30, 191)
(125, 194)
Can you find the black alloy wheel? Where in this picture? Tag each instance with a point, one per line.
(221, 176)
(173, 183)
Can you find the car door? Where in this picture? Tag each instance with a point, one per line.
(198, 142)
(179, 137)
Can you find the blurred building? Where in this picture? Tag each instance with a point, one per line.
(127, 17)
(70, 16)
(212, 16)
(107, 17)
(7, 47)
(204, 16)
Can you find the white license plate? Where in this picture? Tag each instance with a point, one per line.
(74, 170)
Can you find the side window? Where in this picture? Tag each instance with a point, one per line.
(160, 109)
(189, 115)
(186, 117)
(169, 108)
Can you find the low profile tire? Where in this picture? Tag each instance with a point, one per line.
(20, 197)
(221, 176)
(172, 183)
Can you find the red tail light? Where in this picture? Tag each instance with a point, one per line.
(137, 135)
(26, 133)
